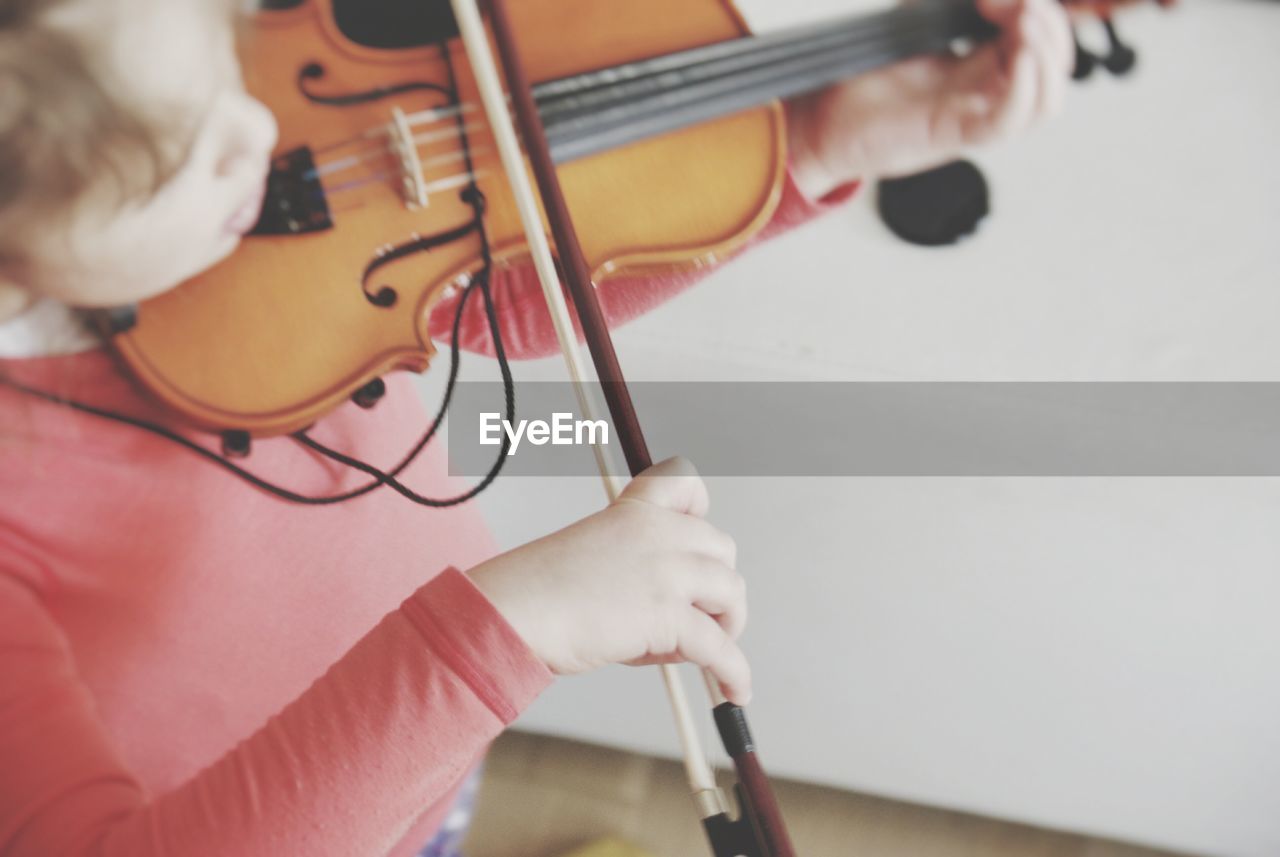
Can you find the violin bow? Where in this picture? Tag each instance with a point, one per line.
(759, 829)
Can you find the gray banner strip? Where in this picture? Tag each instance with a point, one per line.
(896, 429)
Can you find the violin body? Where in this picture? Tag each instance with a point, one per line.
(294, 323)
(386, 190)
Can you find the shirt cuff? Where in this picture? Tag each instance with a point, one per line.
(831, 199)
(478, 644)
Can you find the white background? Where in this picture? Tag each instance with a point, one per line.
(1099, 655)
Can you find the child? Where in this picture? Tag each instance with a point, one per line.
(190, 666)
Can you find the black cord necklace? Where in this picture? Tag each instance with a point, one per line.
(480, 282)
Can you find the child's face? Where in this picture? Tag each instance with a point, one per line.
(175, 60)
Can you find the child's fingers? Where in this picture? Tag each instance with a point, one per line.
(1058, 25)
(1002, 83)
(1017, 94)
(721, 592)
(705, 643)
(711, 542)
(1024, 74)
(1034, 41)
(672, 484)
(1040, 33)
(1003, 101)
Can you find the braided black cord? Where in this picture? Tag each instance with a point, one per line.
(481, 280)
(380, 477)
(475, 198)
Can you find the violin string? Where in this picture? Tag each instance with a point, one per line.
(423, 141)
(577, 84)
(381, 149)
(703, 101)
(450, 182)
(889, 38)
(884, 35)
(630, 90)
(427, 116)
(792, 39)
(446, 183)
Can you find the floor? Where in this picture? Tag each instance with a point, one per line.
(545, 797)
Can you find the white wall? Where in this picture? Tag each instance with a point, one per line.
(1094, 654)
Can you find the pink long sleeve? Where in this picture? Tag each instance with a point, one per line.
(190, 666)
(186, 662)
(345, 769)
(525, 323)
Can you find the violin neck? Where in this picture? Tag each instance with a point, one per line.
(601, 110)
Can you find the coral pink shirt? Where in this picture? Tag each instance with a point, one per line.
(191, 666)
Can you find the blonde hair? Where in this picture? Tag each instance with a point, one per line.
(61, 130)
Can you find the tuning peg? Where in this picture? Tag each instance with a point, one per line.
(1122, 58)
(1086, 61)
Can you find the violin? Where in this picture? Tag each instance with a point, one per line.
(666, 110)
(657, 141)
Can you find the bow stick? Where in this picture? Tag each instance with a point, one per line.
(760, 830)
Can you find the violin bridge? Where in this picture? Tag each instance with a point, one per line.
(412, 183)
